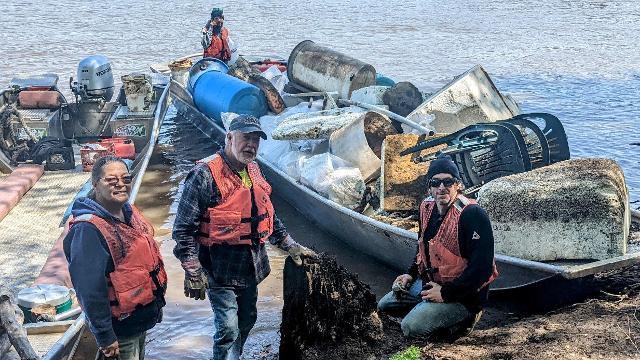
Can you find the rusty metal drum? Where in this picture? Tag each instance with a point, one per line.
(319, 68)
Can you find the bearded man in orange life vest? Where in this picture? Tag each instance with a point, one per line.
(224, 218)
(215, 37)
(110, 247)
(446, 287)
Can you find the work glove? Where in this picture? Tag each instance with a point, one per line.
(195, 280)
(196, 286)
(298, 252)
(401, 286)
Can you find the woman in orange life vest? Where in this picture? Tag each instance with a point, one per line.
(110, 247)
(215, 37)
(447, 285)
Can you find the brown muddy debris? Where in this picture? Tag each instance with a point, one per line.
(404, 182)
(323, 303)
(243, 70)
(335, 322)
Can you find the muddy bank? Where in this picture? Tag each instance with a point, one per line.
(603, 326)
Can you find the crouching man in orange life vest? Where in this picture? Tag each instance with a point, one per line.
(447, 285)
(115, 264)
(215, 37)
(224, 218)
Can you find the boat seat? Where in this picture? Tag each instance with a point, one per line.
(482, 152)
(554, 133)
(15, 185)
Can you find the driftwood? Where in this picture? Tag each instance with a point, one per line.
(243, 70)
(325, 304)
(11, 318)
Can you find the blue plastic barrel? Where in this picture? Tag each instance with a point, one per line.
(202, 66)
(215, 92)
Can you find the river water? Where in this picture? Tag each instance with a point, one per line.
(575, 59)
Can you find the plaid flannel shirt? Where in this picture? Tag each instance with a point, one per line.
(236, 265)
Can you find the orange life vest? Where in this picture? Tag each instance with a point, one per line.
(230, 221)
(445, 261)
(139, 276)
(219, 47)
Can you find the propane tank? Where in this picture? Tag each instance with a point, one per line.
(95, 79)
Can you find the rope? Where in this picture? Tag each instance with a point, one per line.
(14, 148)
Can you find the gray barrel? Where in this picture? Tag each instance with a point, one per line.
(321, 69)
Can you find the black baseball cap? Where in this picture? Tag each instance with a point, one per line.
(247, 124)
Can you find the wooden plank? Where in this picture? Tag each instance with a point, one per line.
(48, 327)
(403, 182)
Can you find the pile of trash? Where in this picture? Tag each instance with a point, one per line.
(339, 152)
(365, 142)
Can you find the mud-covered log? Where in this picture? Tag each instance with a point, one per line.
(325, 304)
(11, 319)
(274, 100)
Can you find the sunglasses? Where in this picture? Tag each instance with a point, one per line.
(446, 182)
(114, 180)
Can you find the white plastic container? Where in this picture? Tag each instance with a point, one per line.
(138, 91)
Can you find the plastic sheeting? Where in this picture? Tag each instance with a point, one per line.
(333, 178)
(276, 77)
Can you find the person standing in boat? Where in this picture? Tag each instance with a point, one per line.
(115, 263)
(215, 37)
(224, 218)
(445, 289)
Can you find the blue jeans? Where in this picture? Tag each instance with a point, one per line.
(234, 314)
(131, 348)
(423, 317)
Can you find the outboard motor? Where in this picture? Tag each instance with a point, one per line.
(95, 79)
(93, 90)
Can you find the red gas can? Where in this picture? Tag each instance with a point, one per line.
(121, 147)
(90, 153)
(266, 64)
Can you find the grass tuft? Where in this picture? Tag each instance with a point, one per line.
(410, 353)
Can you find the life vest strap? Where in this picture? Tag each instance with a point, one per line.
(255, 219)
(254, 236)
(251, 219)
(160, 290)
